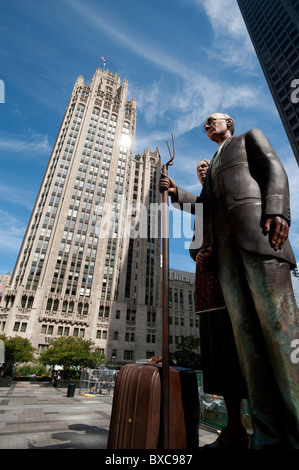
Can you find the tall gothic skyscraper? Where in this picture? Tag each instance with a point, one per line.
(83, 268)
(274, 30)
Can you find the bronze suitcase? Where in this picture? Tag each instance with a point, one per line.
(136, 409)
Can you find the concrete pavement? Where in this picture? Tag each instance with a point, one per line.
(39, 416)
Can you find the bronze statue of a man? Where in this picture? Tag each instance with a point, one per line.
(246, 200)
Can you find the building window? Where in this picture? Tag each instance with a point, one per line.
(190, 301)
(42, 348)
(150, 338)
(175, 298)
(181, 300)
(104, 311)
(50, 329)
(128, 355)
(150, 354)
(16, 326)
(23, 327)
(130, 315)
(170, 297)
(130, 337)
(151, 317)
(85, 309)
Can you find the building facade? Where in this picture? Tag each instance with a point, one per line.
(273, 27)
(182, 319)
(90, 262)
(4, 281)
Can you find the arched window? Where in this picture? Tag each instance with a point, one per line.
(85, 309)
(96, 111)
(23, 301)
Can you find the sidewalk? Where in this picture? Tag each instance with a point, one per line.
(39, 416)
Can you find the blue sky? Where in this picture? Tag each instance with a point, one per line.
(183, 59)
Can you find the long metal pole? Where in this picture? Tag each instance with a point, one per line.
(165, 305)
(165, 311)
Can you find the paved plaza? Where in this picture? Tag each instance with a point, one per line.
(39, 416)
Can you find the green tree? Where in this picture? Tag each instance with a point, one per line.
(16, 350)
(70, 351)
(185, 354)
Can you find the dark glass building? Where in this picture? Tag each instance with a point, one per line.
(273, 26)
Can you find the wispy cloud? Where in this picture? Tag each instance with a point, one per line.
(17, 196)
(35, 144)
(225, 18)
(186, 105)
(11, 232)
(231, 42)
(193, 94)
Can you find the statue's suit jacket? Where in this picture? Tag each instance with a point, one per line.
(256, 186)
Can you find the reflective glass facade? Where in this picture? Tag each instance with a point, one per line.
(274, 30)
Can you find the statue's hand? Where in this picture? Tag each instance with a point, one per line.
(278, 229)
(203, 258)
(167, 184)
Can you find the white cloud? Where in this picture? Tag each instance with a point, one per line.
(11, 232)
(17, 196)
(225, 18)
(231, 43)
(35, 144)
(183, 105)
(186, 105)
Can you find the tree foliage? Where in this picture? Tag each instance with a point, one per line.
(70, 351)
(185, 354)
(17, 349)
